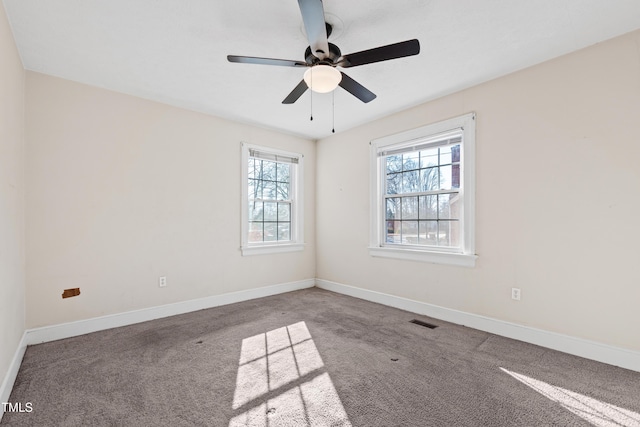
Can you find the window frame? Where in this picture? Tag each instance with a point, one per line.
(296, 174)
(426, 135)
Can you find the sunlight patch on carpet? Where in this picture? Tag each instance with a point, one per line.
(596, 412)
(282, 381)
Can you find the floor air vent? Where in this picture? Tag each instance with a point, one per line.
(425, 324)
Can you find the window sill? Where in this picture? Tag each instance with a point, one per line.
(461, 260)
(271, 249)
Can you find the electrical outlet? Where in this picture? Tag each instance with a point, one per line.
(162, 281)
(515, 294)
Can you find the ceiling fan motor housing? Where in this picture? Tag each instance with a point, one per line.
(330, 59)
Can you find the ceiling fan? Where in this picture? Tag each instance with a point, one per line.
(322, 58)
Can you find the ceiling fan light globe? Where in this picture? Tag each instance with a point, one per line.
(322, 78)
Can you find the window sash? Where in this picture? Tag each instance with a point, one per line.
(291, 221)
(452, 236)
(419, 237)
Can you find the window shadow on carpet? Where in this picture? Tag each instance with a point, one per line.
(282, 380)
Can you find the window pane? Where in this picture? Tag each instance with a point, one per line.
(410, 182)
(448, 233)
(255, 232)
(454, 233)
(282, 169)
(409, 208)
(455, 176)
(268, 170)
(251, 168)
(394, 164)
(428, 232)
(284, 231)
(282, 190)
(410, 232)
(284, 211)
(445, 155)
(393, 232)
(393, 208)
(270, 231)
(429, 179)
(269, 190)
(455, 153)
(257, 168)
(423, 233)
(428, 158)
(444, 209)
(449, 206)
(428, 207)
(445, 177)
(394, 183)
(270, 211)
(255, 189)
(255, 211)
(410, 161)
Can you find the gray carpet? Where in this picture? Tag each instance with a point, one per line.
(313, 357)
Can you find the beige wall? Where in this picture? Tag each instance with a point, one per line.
(558, 199)
(12, 190)
(122, 190)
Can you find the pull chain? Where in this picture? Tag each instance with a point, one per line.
(333, 112)
(311, 97)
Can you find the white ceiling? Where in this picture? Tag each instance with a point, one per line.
(174, 51)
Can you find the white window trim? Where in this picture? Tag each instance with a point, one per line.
(465, 258)
(297, 208)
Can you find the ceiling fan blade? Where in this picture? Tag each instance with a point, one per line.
(314, 24)
(356, 89)
(382, 53)
(266, 61)
(296, 93)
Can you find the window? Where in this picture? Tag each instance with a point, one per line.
(272, 200)
(422, 193)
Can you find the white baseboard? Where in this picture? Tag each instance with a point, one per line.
(81, 327)
(12, 373)
(577, 346)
